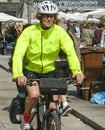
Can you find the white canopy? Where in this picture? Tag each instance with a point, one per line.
(94, 20)
(83, 17)
(5, 17)
(96, 13)
(76, 16)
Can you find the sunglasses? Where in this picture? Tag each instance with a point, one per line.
(48, 15)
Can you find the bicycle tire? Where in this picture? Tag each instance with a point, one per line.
(35, 122)
(53, 121)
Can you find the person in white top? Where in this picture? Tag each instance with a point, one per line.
(103, 38)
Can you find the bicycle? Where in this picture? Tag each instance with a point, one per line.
(42, 117)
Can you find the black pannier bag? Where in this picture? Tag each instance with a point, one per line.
(16, 108)
(53, 86)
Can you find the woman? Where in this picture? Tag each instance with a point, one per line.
(39, 46)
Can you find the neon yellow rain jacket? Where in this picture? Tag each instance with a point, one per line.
(39, 48)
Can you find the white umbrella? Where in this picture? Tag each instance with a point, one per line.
(5, 17)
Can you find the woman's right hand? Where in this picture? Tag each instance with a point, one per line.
(22, 80)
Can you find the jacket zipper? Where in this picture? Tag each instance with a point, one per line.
(41, 51)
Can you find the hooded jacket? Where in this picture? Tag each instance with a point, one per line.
(40, 48)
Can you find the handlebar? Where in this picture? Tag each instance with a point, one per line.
(30, 80)
(53, 86)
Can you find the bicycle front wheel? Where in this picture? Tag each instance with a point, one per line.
(53, 122)
(35, 122)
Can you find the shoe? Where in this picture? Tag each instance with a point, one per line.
(66, 110)
(25, 122)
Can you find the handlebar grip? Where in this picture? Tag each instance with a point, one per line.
(14, 80)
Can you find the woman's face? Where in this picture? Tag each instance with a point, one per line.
(47, 20)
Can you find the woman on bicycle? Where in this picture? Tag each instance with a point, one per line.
(39, 46)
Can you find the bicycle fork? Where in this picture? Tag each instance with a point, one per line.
(44, 124)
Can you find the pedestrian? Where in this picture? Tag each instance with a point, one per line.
(97, 35)
(62, 67)
(87, 33)
(103, 38)
(39, 46)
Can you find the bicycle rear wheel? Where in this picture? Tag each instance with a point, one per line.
(53, 121)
